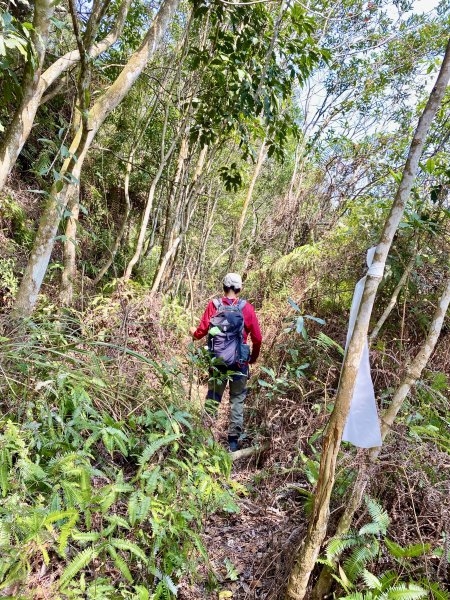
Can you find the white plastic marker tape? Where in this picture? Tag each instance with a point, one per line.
(362, 428)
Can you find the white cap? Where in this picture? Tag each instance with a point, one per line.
(232, 280)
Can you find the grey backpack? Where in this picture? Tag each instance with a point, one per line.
(226, 333)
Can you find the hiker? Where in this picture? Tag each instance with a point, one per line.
(228, 321)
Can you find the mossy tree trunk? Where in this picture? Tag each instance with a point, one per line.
(24, 116)
(317, 528)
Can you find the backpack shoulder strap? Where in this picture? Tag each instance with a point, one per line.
(217, 303)
(241, 304)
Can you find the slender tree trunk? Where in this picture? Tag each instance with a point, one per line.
(40, 255)
(70, 249)
(171, 216)
(123, 222)
(412, 375)
(24, 115)
(186, 209)
(392, 302)
(309, 551)
(165, 156)
(209, 224)
(36, 83)
(240, 224)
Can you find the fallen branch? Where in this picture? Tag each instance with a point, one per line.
(246, 452)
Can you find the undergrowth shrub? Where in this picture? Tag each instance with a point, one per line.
(94, 504)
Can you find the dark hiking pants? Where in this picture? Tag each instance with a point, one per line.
(237, 382)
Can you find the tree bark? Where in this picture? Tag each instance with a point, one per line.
(184, 213)
(413, 374)
(36, 83)
(169, 239)
(24, 115)
(70, 250)
(309, 551)
(392, 302)
(240, 224)
(40, 256)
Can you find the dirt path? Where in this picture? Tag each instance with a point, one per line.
(249, 551)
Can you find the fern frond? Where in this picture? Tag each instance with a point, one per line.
(162, 592)
(372, 582)
(154, 446)
(406, 591)
(337, 545)
(378, 514)
(80, 561)
(356, 562)
(120, 564)
(130, 546)
(437, 592)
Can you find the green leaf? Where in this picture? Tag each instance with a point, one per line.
(154, 446)
(406, 591)
(371, 580)
(120, 564)
(80, 561)
(130, 547)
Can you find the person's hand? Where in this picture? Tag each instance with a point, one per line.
(192, 330)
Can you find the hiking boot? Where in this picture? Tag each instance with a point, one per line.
(233, 443)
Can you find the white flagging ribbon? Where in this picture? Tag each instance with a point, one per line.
(362, 428)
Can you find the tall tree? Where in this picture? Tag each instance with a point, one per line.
(36, 81)
(63, 188)
(412, 375)
(309, 551)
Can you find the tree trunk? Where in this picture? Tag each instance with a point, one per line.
(309, 551)
(392, 302)
(24, 115)
(240, 224)
(122, 226)
(169, 230)
(37, 83)
(149, 205)
(186, 208)
(40, 256)
(208, 226)
(413, 374)
(70, 250)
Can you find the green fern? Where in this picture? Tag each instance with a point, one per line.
(80, 561)
(162, 592)
(437, 592)
(356, 562)
(154, 446)
(130, 547)
(378, 514)
(120, 564)
(405, 591)
(337, 545)
(371, 581)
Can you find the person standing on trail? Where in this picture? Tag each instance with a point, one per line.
(229, 321)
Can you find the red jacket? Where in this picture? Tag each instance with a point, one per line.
(251, 325)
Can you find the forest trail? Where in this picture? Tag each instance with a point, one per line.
(246, 549)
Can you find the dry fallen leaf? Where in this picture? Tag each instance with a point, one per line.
(225, 594)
